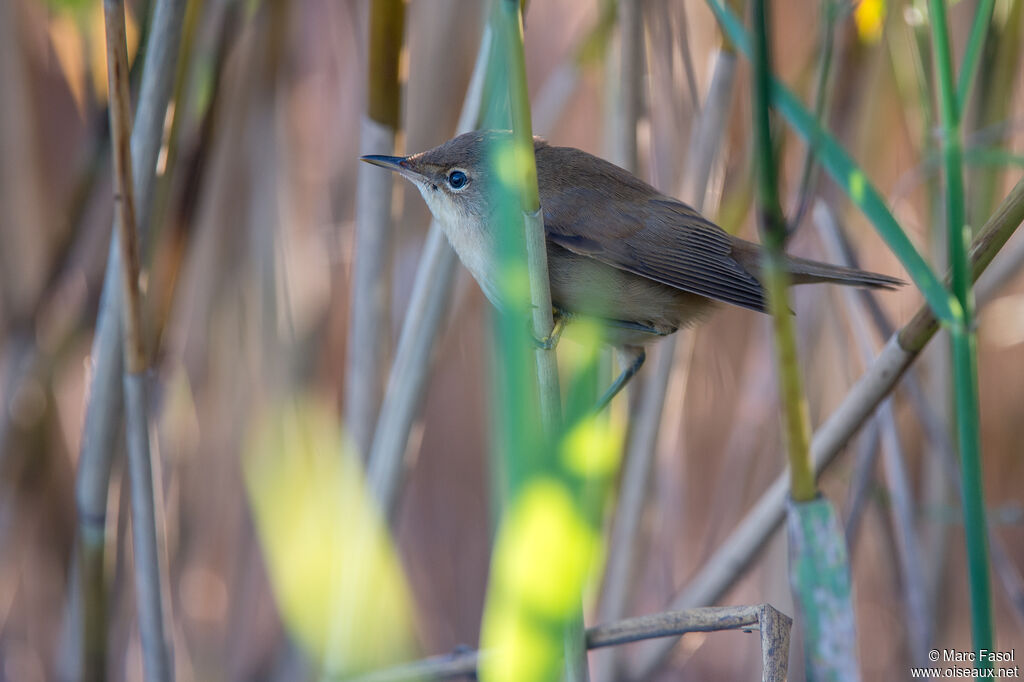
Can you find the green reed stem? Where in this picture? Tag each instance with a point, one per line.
(972, 54)
(964, 352)
(796, 420)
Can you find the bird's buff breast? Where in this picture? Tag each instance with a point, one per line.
(470, 242)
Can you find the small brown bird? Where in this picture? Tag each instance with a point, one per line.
(618, 249)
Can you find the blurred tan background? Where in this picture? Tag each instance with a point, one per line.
(247, 300)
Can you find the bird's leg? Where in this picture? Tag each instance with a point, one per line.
(551, 340)
(635, 355)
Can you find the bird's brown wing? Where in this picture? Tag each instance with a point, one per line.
(656, 237)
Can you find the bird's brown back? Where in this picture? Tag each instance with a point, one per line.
(596, 209)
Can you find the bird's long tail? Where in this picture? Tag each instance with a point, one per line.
(806, 271)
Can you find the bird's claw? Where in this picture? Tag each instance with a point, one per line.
(550, 341)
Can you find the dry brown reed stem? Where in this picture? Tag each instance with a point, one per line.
(1009, 265)
(737, 552)
(101, 429)
(103, 409)
(773, 626)
(148, 585)
(371, 260)
(124, 190)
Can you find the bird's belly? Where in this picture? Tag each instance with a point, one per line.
(649, 309)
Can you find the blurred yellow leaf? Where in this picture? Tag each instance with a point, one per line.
(869, 15)
(544, 554)
(586, 336)
(546, 548)
(592, 447)
(515, 282)
(517, 650)
(337, 578)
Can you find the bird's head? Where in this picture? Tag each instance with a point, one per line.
(451, 177)
(455, 180)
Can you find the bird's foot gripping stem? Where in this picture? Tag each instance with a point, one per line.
(551, 340)
(632, 359)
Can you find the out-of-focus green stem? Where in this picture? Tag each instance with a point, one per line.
(773, 229)
(535, 631)
(529, 200)
(537, 263)
(965, 369)
(767, 178)
(972, 54)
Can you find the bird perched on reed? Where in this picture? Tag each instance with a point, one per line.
(643, 263)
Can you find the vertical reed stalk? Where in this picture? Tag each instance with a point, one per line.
(964, 351)
(101, 429)
(537, 264)
(627, 104)
(550, 480)
(369, 304)
(533, 219)
(773, 230)
(996, 97)
(818, 565)
(148, 584)
(850, 177)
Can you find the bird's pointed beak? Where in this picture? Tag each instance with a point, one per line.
(395, 163)
(403, 165)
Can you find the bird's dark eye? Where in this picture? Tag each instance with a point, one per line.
(457, 179)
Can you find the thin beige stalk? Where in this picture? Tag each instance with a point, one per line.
(370, 267)
(626, 110)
